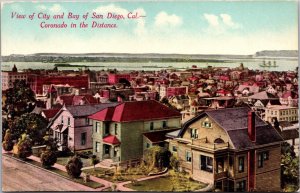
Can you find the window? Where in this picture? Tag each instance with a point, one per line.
(97, 147)
(241, 186)
(263, 156)
(69, 121)
(188, 156)
(164, 124)
(151, 125)
(87, 121)
(62, 119)
(116, 129)
(241, 164)
(194, 133)
(206, 124)
(147, 145)
(83, 138)
(206, 163)
(97, 127)
(106, 132)
(174, 148)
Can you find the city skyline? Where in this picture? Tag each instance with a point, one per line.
(217, 27)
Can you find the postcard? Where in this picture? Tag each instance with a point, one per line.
(150, 96)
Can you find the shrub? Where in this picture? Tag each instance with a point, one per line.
(24, 147)
(74, 166)
(7, 143)
(174, 163)
(94, 161)
(48, 158)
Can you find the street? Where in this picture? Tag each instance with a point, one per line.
(18, 176)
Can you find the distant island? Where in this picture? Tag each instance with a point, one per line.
(64, 58)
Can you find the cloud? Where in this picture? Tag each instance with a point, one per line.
(56, 8)
(41, 7)
(140, 28)
(220, 24)
(111, 8)
(163, 19)
(213, 20)
(227, 20)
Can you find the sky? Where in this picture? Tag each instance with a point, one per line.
(191, 27)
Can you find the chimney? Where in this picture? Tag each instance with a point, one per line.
(251, 126)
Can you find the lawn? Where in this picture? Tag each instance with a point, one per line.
(90, 184)
(64, 160)
(166, 183)
(108, 174)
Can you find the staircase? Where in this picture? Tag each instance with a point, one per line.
(106, 163)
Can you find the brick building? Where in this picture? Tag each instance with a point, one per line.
(36, 81)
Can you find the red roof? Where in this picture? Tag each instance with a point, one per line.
(136, 111)
(111, 139)
(49, 113)
(104, 115)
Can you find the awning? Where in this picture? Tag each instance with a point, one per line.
(111, 139)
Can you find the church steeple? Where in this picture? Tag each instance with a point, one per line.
(14, 69)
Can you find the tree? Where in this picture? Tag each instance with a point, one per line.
(290, 166)
(24, 147)
(174, 163)
(5, 126)
(74, 166)
(32, 124)
(48, 157)
(19, 100)
(7, 143)
(94, 161)
(157, 156)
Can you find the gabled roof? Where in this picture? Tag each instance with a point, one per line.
(86, 110)
(50, 113)
(137, 111)
(234, 121)
(263, 95)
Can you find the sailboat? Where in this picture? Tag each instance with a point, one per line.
(269, 65)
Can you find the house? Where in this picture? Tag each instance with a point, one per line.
(122, 132)
(281, 112)
(71, 127)
(231, 148)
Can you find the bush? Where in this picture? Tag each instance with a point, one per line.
(7, 143)
(24, 147)
(48, 158)
(74, 166)
(94, 161)
(174, 163)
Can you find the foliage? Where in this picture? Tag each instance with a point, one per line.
(19, 100)
(74, 166)
(32, 124)
(290, 166)
(24, 147)
(157, 156)
(7, 143)
(94, 161)
(5, 126)
(51, 143)
(174, 163)
(48, 158)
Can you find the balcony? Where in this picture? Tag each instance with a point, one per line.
(220, 175)
(203, 143)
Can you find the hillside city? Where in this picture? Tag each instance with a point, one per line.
(195, 129)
